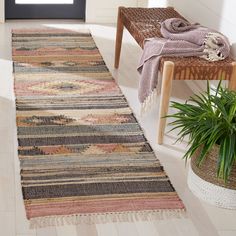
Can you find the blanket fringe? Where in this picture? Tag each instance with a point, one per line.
(212, 49)
(149, 102)
(48, 221)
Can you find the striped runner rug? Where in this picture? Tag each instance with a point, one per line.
(83, 156)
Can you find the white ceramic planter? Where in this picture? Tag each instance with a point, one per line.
(211, 193)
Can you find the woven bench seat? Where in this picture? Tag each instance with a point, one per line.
(144, 23)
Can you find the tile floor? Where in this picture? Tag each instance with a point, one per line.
(204, 219)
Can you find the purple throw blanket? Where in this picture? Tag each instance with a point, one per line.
(181, 39)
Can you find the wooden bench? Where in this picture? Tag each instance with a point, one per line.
(143, 23)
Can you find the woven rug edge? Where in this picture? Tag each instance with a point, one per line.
(76, 219)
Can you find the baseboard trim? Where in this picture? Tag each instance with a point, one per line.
(197, 86)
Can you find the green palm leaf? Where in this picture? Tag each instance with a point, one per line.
(209, 119)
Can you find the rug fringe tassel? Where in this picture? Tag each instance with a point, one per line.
(149, 102)
(41, 222)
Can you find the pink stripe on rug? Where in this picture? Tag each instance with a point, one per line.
(103, 206)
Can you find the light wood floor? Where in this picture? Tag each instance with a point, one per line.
(204, 219)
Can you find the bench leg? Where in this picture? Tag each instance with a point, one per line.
(167, 77)
(232, 81)
(119, 36)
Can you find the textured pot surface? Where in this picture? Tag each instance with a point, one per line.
(208, 169)
(211, 193)
(204, 183)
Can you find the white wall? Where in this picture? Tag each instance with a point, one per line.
(153, 3)
(105, 11)
(2, 11)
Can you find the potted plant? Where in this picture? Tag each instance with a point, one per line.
(209, 121)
